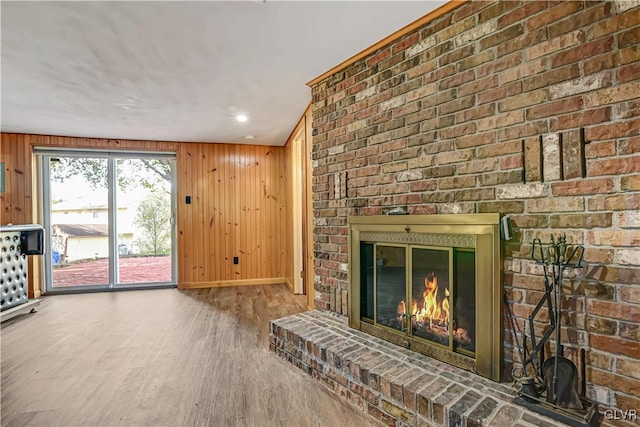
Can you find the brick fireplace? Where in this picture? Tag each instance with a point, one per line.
(430, 283)
(526, 109)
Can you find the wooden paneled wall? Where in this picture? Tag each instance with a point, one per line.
(238, 209)
(238, 205)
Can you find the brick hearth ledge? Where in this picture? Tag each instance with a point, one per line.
(394, 385)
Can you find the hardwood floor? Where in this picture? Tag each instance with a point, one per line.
(160, 357)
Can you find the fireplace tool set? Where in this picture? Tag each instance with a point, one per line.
(552, 389)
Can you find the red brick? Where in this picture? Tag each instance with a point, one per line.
(456, 28)
(613, 381)
(458, 131)
(629, 72)
(476, 60)
(598, 63)
(629, 146)
(558, 204)
(594, 12)
(422, 69)
(613, 130)
(582, 187)
(627, 55)
(440, 73)
(615, 345)
(511, 162)
(630, 294)
(475, 140)
(553, 76)
(455, 156)
(520, 43)
(469, 8)
(614, 166)
(499, 92)
(617, 238)
(601, 326)
(617, 202)
(421, 92)
(629, 331)
(501, 149)
(555, 44)
(612, 95)
(625, 402)
(583, 221)
(600, 256)
(456, 55)
(554, 108)
(630, 183)
(600, 149)
(561, 10)
(499, 65)
(527, 69)
(456, 105)
(599, 359)
(523, 100)
(422, 210)
(629, 37)
(476, 166)
(583, 51)
(527, 9)
(456, 182)
(580, 119)
(500, 120)
(475, 113)
(531, 221)
(510, 206)
(379, 56)
(501, 36)
(626, 19)
(404, 43)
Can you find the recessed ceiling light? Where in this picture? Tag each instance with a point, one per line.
(249, 137)
(241, 118)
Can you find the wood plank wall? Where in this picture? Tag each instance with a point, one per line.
(238, 205)
(238, 209)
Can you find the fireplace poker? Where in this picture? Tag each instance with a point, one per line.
(564, 370)
(538, 346)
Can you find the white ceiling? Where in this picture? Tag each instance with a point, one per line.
(178, 71)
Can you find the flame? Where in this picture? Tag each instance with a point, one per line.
(402, 307)
(430, 310)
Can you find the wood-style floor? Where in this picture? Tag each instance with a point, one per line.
(160, 358)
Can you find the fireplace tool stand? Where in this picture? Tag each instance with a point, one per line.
(552, 389)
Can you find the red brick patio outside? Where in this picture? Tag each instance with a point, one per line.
(132, 270)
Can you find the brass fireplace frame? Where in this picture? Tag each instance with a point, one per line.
(480, 231)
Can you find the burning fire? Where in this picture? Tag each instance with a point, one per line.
(429, 311)
(432, 313)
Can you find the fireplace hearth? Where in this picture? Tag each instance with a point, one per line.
(430, 283)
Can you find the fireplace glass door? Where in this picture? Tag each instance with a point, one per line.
(425, 292)
(431, 294)
(391, 289)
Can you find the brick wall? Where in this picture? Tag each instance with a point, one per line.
(530, 109)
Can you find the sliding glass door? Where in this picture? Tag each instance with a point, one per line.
(110, 219)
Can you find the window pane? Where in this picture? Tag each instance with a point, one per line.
(143, 194)
(79, 221)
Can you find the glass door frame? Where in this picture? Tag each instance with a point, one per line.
(43, 155)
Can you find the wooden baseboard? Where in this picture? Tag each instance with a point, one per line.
(225, 283)
(289, 285)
